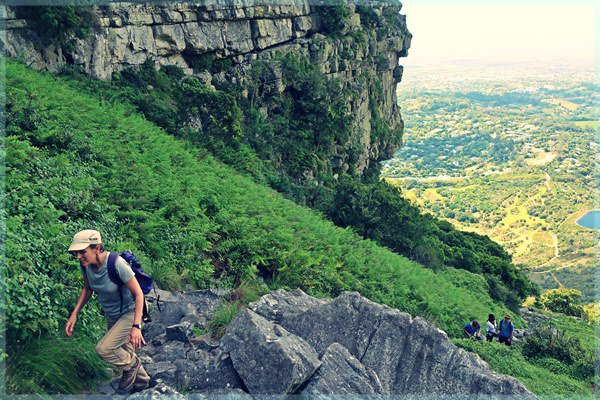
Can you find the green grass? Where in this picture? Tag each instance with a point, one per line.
(221, 317)
(53, 365)
(509, 360)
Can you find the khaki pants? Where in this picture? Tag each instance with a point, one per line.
(115, 349)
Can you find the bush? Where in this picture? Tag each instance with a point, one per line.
(334, 16)
(549, 342)
(562, 300)
(57, 24)
(591, 313)
(541, 380)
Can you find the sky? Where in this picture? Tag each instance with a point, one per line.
(491, 31)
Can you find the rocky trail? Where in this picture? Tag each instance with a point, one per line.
(289, 343)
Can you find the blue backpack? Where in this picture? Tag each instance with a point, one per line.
(146, 282)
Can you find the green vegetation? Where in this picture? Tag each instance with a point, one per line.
(334, 14)
(304, 130)
(508, 159)
(221, 318)
(562, 300)
(74, 162)
(539, 379)
(58, 25)
(54, 365)
(591, 313)
(561, 351)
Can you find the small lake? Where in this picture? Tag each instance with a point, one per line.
(590, 220)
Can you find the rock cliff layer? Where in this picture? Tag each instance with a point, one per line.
(362, 50)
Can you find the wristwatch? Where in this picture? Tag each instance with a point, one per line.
(136, 326)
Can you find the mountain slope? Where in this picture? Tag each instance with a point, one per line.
(74, 162)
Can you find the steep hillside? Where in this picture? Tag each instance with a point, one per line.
(300, 97)
(75, 160)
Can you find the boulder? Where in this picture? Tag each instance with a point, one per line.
(341, 374)
(409, 355)
(215, 375)
(160, 391)
(269, 359)
(181, 332)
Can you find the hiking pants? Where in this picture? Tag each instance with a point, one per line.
(114, 347)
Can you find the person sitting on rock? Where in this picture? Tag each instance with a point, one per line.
(506, 331)
(472, 330)
(491, 329)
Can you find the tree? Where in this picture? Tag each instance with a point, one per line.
(562, 300)
(591, 313)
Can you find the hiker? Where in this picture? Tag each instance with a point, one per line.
(124, 335)
(472, 330)
(491, 328)
(506, 331)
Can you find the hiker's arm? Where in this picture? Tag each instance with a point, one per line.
(468, 334)
(135, 336)
(84, 296)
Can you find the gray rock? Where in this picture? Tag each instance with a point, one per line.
(172, 351)
(203, 37)
(409, 355)
(269, 359)
(160, 391)
(341, 374)
(213, 375)
(163, 370)
(181, 332)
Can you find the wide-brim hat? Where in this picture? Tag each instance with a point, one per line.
(84, 238)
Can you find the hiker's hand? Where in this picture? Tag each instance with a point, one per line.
(70, 325)
(136, 339)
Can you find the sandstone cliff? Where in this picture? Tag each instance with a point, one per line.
(363, 53)
(292, 343)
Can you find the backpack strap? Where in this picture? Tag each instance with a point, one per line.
(114, 277)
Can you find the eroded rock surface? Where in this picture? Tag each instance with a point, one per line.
(289, 343)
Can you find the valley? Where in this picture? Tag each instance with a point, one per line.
(509, 153)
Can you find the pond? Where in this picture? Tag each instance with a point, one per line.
(590, 220)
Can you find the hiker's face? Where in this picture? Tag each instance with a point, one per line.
(85, 256)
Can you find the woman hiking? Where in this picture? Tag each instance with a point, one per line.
(124, 335)
(491, 328)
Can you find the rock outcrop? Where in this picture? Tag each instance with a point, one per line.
(291, 343)
(364, 50)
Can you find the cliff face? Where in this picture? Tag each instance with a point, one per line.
(362, 51)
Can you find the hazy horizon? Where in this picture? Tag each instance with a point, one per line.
(493, 32)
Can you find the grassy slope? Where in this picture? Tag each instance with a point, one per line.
(98, 165)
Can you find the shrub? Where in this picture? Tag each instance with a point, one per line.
(57, 24)
(538, 379)
(334, 16)
(591, 313)
(562, 300)
(549, 342)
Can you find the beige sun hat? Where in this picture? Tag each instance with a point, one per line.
(84, 238)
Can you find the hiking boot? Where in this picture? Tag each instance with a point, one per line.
(129, 377)
(142, 381)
